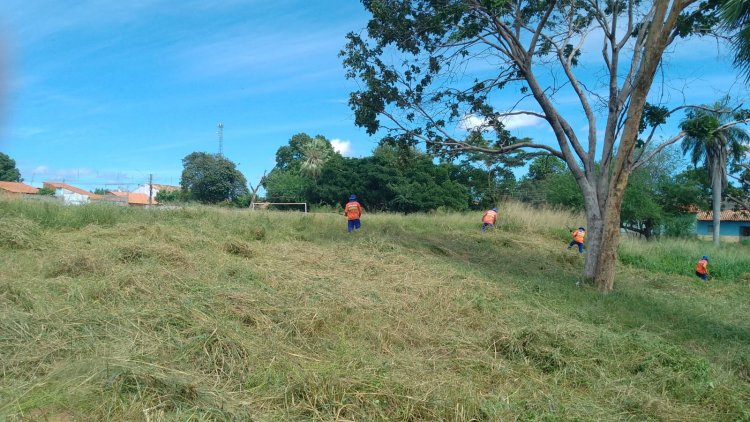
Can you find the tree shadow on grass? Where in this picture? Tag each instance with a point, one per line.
(552, 278)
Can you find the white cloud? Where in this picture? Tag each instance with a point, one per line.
(342, 147)
(521, 120)
(41, 170)
(474, 122)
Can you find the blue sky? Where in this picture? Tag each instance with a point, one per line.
(108, 91)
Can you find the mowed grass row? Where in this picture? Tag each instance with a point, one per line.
(209, 314)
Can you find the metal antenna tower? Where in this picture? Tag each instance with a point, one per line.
(220, 132)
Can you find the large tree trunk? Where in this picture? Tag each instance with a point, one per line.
(659, 31)
(607, 259)
(593, 243)
(716, 197)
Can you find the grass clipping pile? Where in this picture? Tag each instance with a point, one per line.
(213, 315)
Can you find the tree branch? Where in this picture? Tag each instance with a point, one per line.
(566, 63)
(538, 31)
(657, 150)
(741, 203)
(463, 146)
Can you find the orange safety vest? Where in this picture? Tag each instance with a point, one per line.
(578, 236)
(353, 210)
(702, 267)
(489, 217)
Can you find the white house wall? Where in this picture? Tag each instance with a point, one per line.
(144, 190)
(71, 198)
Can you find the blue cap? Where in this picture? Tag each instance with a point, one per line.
(581, 228)
(494, 209)
(352, 197)
(705, 257)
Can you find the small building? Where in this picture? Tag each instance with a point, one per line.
(130, 198)
(17, 189)
(735, 225)
(71, 195)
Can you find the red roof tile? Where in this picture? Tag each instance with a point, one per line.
(140, 199)
(18, 187)
(56, 185)
(725, 216)
(134, 198)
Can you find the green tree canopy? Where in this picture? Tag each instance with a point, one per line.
(211, 178)
(298, 165)
(392, 179)
(286, 186)
(8, 170)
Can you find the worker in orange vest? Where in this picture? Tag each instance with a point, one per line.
(578, 237)
(353, 211)
(701, 268)
(489, 218)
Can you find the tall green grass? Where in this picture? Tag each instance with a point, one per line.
(729, 262)
(213, 314)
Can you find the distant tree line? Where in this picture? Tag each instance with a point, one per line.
(393, 178)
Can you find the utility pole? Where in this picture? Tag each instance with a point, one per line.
(150, 188)
(220, 132)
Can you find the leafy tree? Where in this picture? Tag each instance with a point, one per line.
(498, 176)
(485, 187)
(286, 186)
(711, 140)
(301, 149)
(549, 181)
(423, 71)
(392, 179)
(741, 195)
(543, 166)
(46, 191)
(211, 178)
(561, 189)
(685, 191)
(101, 191)
(8, 170)
(298, 165)
(641, 212)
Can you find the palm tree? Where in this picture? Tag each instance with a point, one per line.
(711, 140)
(314, 154)
(736, 16)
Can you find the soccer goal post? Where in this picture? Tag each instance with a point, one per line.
(266, 205)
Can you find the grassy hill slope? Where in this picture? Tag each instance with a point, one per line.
(205, 314)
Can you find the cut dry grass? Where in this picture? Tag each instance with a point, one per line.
(201, 314)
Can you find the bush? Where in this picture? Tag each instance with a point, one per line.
(680, 226)
(165, 196)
